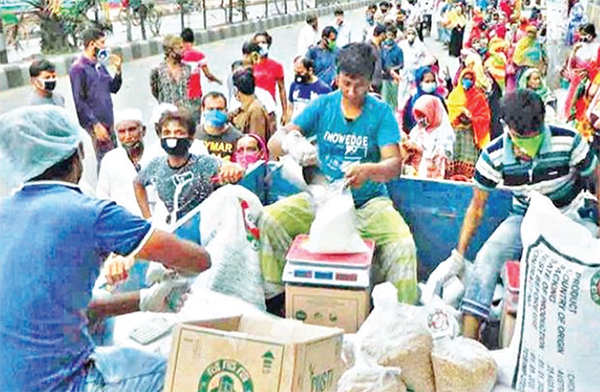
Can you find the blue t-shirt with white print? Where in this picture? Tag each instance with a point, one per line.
(342, 142)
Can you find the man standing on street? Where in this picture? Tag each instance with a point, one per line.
(43, 79)
(219, 136)
(305, 87)
(92, 85)
(197, 60)
(309, 34)
(344, 30)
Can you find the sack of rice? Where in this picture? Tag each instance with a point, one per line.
(463, 365)
(371, 379)
(396, 335)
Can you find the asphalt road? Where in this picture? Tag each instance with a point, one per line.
(135, 92)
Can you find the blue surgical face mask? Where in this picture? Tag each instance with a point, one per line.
(264, 49)
(215, 118)
(467, 84)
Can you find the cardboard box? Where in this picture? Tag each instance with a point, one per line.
(254, 354)
(342, 308)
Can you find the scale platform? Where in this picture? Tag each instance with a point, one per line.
(349, 270)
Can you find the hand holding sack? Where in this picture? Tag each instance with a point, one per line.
(445, 276)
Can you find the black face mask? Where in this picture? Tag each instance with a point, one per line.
(303, 79)
(49, 85)
(176, 146)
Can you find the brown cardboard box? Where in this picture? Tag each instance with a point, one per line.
(342, 308)
(254, 354)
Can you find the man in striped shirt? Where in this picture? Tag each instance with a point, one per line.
(529, 156)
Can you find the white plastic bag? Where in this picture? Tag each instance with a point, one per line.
(334, 228)
(371, 379)
(463, 365)
(396, 335)
(228, 231)
(559, 305)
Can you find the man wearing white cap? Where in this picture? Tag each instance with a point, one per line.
(52, 244)
(120, 166)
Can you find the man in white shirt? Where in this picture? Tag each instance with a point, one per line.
(120, 166)
(344, 30)
(309, 34)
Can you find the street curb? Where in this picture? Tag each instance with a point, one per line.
(17, 75)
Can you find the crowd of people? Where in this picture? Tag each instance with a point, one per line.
(366, 104)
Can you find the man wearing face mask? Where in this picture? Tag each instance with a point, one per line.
(92, 86)
(219, 136)
(268, 73)
(415, 53)
(120, 166)
(183, 180)
(170, 81)
(309, 34)
(530, 156)
(305, 87)
(43, 79)
(324, 55)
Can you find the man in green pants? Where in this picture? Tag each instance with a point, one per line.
(357, 139)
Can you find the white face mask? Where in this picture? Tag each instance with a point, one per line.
(264, 49)
(428, 87)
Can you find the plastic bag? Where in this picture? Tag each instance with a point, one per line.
(229, 232)
(396, 335)
(334, 228)
(463, 365)
(371, 379)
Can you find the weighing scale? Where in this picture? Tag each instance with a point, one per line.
(350, 270)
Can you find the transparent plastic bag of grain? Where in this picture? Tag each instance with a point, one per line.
(463, 365)
(396, 335)
(371, 379)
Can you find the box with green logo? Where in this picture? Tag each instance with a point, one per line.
(254, 354)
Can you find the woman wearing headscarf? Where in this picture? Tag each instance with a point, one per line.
(470, 117)
(584, 80)
(529, 53)
(426, 84)
(532, 79)
(456, 22)
(496, 63)
(490, 87)
(432, 138)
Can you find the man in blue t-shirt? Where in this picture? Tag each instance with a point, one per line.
(52, 244)
(358, 140)
(305, 87)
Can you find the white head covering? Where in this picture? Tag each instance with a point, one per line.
(128, 115)
(33, 139)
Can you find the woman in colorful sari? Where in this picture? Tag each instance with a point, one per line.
(426, 84)
(532, 79)
(496, 63)
(529, 53)
(490, 87)
(582, 74)
(456, 22)
(470, 117)
(432, 137)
